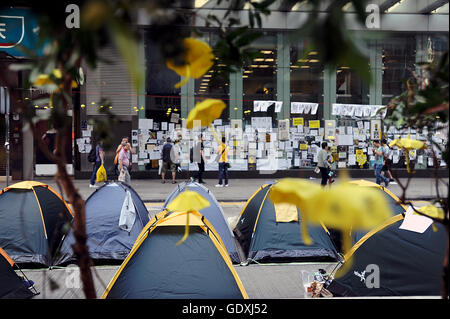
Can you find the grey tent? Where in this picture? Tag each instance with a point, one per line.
(108, 243)
(32, 221)
(158, 268)
(213, 213)
(11, 285)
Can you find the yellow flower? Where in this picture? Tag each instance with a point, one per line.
(57, 73)
(186, 202)
(407, 144)
(42, 80)
(345, 206)
(206, 112)
(199, 59)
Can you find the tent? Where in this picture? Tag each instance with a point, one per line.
(107, 242)
(393, 261)
(213, 213)
(32, 220)
(265, 236)
(11, 285)
(158, 268)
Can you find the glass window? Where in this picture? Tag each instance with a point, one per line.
(260, 79)
(162, 97)
(398, 56)
(306, 79)
(350, 88)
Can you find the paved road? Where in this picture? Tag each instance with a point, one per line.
(242, 189)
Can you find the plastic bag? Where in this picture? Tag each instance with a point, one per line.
(127, 214)
(101, 174)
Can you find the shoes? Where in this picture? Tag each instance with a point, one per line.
(174, 182)
(219, 185)
(386, 184)
(226, 185)
(394, 183)
(201, 182)
(391, 180)
(92, 186)
(163, 182)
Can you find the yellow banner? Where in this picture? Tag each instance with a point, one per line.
(297, 121)
(314, 124)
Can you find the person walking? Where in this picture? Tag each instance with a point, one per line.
(324, 163)
(99, 161)
(379, 163)
(167, 163)
(199, 158)
(386, 170)
(222, 153)
(124, 163)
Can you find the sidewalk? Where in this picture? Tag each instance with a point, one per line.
(240, 190)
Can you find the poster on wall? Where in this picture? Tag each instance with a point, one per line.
(262, 123)
(330, 129)
(283, 130)
(375, 129)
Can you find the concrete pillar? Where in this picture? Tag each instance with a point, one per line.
(329, 92)
(236, 93)
(283, 76)
(376, 63)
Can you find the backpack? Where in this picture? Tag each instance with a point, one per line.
(166, 152)
(92, 157)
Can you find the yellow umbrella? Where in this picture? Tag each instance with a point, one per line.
(199, 59)
(407, 144)
(187, 201)
(297, 192)
(206, 112)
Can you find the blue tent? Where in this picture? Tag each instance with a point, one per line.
(265, 239)
(107, 242)
(213, 213)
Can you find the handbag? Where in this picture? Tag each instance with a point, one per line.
(317, 170)
(218, 156)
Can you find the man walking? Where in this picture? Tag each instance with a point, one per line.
(222, 153)
(386, 170)
(199, 158)
(167, 161)
(379, 163)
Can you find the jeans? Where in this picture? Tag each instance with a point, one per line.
(379, 176)
(201, 169)
(223, 168)
(324, 172)
(94, 172)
